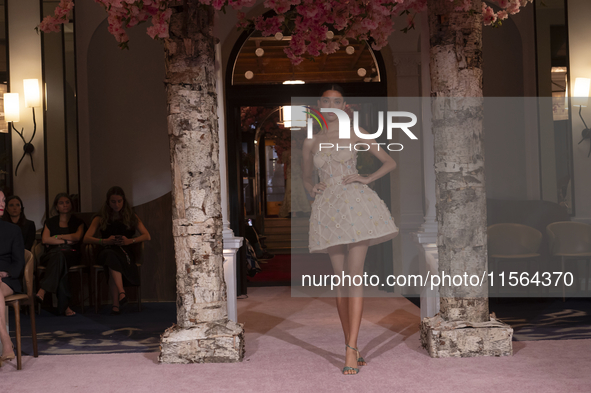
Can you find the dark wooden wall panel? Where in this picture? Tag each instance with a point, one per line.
(159, 267)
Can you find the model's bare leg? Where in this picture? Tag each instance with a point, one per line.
(116, 284)
(337, 258)
(354, 267)
(5, 290)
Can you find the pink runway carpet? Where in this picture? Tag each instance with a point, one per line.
(296, 345)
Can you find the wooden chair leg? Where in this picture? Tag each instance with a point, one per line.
(33, 328)
(139, 289)
(37, 287)
(96, 291)
(17, 323)
(81, 290)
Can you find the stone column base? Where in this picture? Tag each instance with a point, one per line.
(465, 339)
(208, 342)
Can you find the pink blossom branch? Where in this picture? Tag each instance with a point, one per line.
(61, 15)
(315, 26)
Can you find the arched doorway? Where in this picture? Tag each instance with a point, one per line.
(256, 71)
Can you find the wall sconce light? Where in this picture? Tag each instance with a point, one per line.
(293, 117)
(12, 115)
(580, 99)
(286, 116)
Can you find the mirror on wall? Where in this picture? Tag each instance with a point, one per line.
(6, 176)
(553, 75)
(61, 124)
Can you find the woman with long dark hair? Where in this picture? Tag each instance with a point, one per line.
(347, 216)
(14, 212)
(12, 264)
(61, 234)
(116, 225)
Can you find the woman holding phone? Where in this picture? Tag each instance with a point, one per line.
(116, 226)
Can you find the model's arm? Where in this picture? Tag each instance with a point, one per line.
(307, 172)
(388, 163)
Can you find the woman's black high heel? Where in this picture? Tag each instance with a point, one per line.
(122, 302)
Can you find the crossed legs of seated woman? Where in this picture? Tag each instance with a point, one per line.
(117, 291)
(350, 299)
(56, 278)
(61, 234)
(121, 272)
(7, 350)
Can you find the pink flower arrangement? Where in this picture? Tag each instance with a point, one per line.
(60, 16)
(306, 21)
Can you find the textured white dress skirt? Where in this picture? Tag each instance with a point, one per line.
(346, 214)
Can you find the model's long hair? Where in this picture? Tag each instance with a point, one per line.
(126, 215)
(22, 218)
(53, 211)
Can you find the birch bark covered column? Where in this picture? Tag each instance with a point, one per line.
(457, 113)
(203, 332)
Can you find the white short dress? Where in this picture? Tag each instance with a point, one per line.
(345, 214)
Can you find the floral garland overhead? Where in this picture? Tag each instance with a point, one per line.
(315, 26)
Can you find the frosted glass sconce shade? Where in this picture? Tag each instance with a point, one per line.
(581, 92)
(11, 107)
(32, 95)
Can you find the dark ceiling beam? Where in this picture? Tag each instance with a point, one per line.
(323, 61)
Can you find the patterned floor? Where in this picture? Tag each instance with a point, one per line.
(132, 331)
(531, 319)
(545, 318)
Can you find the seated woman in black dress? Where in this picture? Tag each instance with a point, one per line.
(14, 212)
(61, 234)
(117, 224)
(12, 264)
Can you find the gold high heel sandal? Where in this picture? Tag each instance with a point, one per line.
(347, 368)
(7, 358)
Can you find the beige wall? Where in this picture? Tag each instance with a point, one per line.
(579, 32)
(123, 127)
(509, 71)
(25, 63)
(92, 14)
